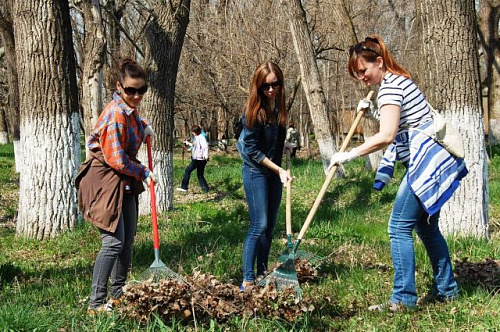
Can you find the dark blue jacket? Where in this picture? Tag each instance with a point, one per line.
(263, 140)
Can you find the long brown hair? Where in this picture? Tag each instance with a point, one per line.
(257, 107)
(370, 49)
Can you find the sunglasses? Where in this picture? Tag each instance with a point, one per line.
(359, 47)
(130, 91)
(274, 85)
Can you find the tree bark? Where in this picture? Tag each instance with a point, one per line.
(165, 37)
(49, 127)
(311, 81)
(449, 68)
(7, 36)
(488, 18)
(93, 60)
(4, 137)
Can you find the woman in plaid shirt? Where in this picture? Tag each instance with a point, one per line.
(110, 181)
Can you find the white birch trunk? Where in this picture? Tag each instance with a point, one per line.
(49, 118)
(449, 62)
(165, 37)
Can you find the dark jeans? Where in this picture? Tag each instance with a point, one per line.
(115, 256)
(263, 192)
(199, 166)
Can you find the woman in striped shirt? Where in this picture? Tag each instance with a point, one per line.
(432, 173)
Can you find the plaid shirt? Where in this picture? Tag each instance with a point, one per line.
(119, 133)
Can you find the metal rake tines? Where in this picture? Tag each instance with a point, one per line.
(158, 273)
(309, 257)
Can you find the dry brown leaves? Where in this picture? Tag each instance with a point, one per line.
(204, 297)
(486, 273)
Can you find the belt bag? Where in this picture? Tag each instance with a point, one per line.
(446, 135)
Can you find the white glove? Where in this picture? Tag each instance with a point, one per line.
(149, 131)
(188, 143)
(284, 177)
(289, 146)
(342, 157)
(151, 177)
(370, 110)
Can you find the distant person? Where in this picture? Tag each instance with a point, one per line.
(293, 138)
(199, 159)
(260, 145)
(110, 181)
(432, 173)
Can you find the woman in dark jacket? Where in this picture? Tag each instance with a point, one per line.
(260, 146)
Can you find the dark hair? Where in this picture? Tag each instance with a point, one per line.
(196, 129)
(130, 68)
(257, 108)
(370, 49)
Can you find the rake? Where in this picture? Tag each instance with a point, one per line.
(285, 275)
(158, 270)
(301, 254)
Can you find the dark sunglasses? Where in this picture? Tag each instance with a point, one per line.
(274, 85)
(130, 91)
(359, 47)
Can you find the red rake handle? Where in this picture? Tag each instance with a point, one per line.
(154, 218)
(329, 178)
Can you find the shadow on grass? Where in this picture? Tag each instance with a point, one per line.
(220, 232)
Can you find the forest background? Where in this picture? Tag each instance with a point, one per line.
(58, 60)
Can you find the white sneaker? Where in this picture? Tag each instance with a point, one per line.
(103, 308)
(181, 189)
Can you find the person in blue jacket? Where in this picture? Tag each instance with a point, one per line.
(261, 145)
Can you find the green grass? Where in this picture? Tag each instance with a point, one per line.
(44, 286)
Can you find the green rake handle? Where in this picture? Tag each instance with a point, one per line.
(154, 218)
(329, 178)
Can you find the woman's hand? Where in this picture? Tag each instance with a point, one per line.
(343, 157)
(284, 177)
(149, 131)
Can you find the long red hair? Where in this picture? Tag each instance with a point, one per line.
(370, 49)
(257, 107)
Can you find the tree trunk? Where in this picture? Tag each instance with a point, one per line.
(4, 137)
(449, 68)
(93, 61)
(311, 81)
(7, 36)
(49, 118)
(165, 37)
(488, 18)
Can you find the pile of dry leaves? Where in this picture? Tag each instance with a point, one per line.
(202, 297)
(486, 273)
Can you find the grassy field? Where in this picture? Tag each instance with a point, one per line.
(44, 286)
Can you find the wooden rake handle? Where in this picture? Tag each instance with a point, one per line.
(288, 214)
(329, 178)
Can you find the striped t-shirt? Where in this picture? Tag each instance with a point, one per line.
(401, 91)
(433, 173)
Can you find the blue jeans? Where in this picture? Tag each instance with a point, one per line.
(408, 214)
(263, 192)
(115, 257)
(199, 166)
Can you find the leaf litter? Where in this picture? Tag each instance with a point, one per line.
(203, 297)
(485, 273)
